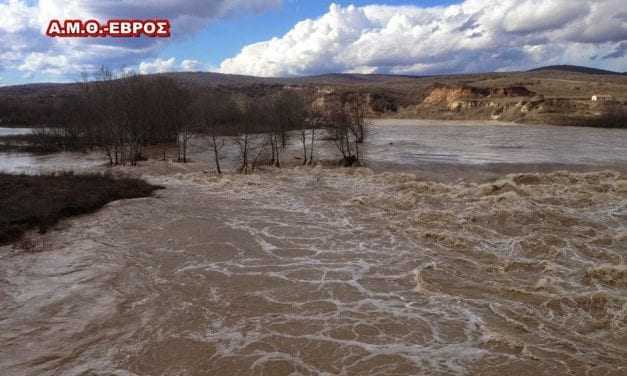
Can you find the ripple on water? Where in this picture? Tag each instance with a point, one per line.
(367, 275)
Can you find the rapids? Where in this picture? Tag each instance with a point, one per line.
(319, 271)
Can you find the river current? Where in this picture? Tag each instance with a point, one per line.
(386, 270)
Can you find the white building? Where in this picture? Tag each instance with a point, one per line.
(602, 98)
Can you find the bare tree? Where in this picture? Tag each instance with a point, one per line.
(244, 131)
(214, 112)
(107, 131)
(265, 131)
(314, 121)
(131, 111)
(358, 109)
(345, 132)
(255, 131)
(290, 114)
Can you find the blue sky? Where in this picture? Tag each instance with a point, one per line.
(225, 38)
(298, 37)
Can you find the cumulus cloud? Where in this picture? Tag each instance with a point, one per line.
(16, 15)
(25, 47)
(160, 65)
(157, 66)
(473, 36)
(191, 65)
(17, 25)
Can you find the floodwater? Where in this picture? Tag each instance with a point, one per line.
(26, 163)
(411, 142)
(413, 145)
(14, 131)
(314, 271)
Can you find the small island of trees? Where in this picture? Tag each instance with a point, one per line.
(123, 114)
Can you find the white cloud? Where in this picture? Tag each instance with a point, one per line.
(39, 62)
(160, 65)
(16, 15)
(26, 48)
(475, 35)
(191, 65)
(157, 66)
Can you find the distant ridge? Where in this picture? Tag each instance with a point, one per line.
(574, 69)
(405, 86)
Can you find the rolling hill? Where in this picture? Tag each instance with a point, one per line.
(565, 90)
(210, 79)
(575, 69)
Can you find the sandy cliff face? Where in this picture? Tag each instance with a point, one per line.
(509, 103)
(447, 94)
(498, 101)
(450, 94)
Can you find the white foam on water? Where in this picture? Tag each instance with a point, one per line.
(341, 272)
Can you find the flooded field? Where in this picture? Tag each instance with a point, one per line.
(27, 163)
(14, 131)
(416, 146)
(412, 142)
(316, 271)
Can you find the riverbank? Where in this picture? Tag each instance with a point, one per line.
(40, 201)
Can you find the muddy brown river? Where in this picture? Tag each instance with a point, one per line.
(326, 271)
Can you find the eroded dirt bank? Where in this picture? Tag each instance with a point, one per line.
(333, 272)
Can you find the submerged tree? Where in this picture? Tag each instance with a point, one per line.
(124, 113)
(245, 130)
(132, 111)
(216, 115)
(345, 133)
(314, 121)
(290, 114)
(357, 106)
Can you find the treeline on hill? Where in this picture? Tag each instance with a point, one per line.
(123, 114)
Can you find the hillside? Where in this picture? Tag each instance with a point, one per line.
(565, 91)
(556, 73)
(574, 69)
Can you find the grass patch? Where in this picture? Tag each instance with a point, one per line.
(40, 201)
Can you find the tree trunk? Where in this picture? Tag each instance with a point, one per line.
(303, 138)
(311, 152)
(216, 154)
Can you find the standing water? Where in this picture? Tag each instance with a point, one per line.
(28, 163)
(410, 144)
(14, 131)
